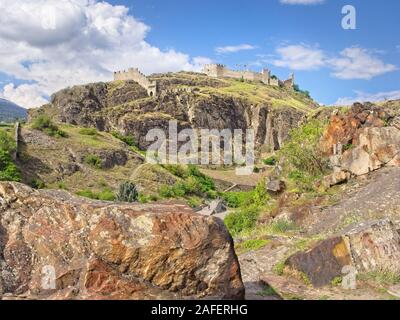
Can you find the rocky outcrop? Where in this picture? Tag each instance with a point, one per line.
(57, 246)
(125, 107)
(362, 140)
(368, 247)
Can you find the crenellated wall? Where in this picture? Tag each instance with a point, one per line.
(135, 75)
(221, 71)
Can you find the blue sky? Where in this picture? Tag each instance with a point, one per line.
(334, 64)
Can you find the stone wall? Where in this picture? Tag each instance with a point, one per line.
(16, 137)
(221, 71)
(135, 75)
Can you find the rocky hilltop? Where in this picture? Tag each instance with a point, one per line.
(193, 99)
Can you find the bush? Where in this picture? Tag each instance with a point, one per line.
(281, 226)
(195, 183)
(88, 132)
(37, 184)
(93, 160)
(44, 123)
(243, 219)
(238, 199)
(302, 156)
(7, 143)
(106, 195)
(260, 194)
(271, 161)
(127, 192)
(129, 139)
(8, 170)
(177, 170)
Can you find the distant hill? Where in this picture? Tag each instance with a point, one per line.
(9, 111)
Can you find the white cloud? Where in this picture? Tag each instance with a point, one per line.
(54, 44)
(232, 49)
(358, 63)
(299, 57)
(302, 2)
(23, 95)
(371, 97)
(352, 63)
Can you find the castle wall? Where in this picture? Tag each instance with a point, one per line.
(135, 75)
(220, 71)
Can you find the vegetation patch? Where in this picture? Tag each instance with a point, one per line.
(43, 123)
(127, 192)
(302, 157)
(93, 160)
(8, 169)
(88, 132)
(106, 194)
(243, 219)
(251, 245)
(128, 139)
(193, 182)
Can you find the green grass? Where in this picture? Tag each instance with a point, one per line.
(281, 226)
(238, 199)
(93, 161)
(268, 292)
(127, 139)
(106, 194)
(88, 132)
(242, 220)
(251, 245)
(192, 183)
(271, 161)
(44, 123)
(279, 268)
(383, 277)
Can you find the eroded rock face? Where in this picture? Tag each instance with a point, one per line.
(363, 140)
(101, 250)
(125, 107)
(369, 246)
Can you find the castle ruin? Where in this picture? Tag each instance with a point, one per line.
(135, 75)
(211, 70)
(221, 71)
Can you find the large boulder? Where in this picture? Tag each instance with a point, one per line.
(362, 140)
(57, 246)
(368, 247)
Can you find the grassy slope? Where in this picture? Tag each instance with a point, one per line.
(39, 161)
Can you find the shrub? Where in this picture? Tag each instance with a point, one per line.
(260, 194)
(237, 199)
(37, 184)
(271, 161)
(127, 192)
(302, 157)
(177, 170)
(8, 170)
(281, 226)
(243, 219)
(106, 195)
(7, 143)
(128, 139)
(195, 183)
(87, 194)
(44, 123)
(88, 132)
(93, 160)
